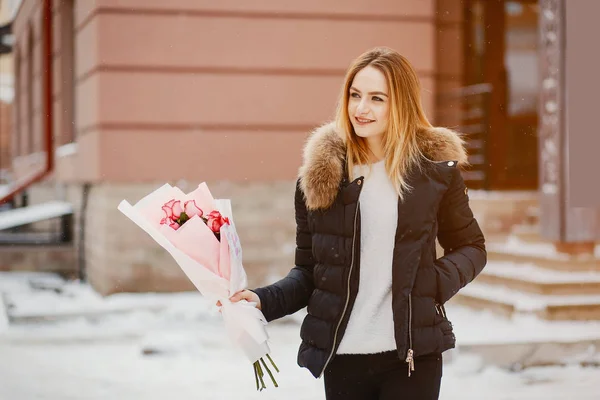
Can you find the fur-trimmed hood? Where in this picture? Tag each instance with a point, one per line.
(322, 170)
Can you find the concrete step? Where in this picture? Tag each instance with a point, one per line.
(35, 213)
(519, 356)
(506, 301)
(532, 216)
(527, 233)
(533, 279)
(541, 254)
(498, 211)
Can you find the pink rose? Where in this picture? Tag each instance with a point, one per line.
(215, 221)
(177, 210)
(192, 209)
(172, 209)
(168, 209)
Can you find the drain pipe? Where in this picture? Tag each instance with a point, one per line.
(81, 270)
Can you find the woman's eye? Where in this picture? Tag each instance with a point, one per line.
(377, 98)
(355, 95)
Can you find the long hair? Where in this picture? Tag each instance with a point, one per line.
(406, 117)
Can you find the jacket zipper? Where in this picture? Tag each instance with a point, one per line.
(410, 353)
(347, 295)
(440, 310)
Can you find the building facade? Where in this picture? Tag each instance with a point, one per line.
(6, 91)
(147, 92)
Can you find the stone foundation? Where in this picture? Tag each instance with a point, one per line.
(58, 259)
(119, 256)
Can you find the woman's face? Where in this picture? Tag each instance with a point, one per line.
(369, 103)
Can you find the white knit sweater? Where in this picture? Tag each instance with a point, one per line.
(371, 327)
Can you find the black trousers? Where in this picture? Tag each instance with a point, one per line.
(382, 376)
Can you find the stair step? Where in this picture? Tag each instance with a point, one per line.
(533, 215)
(527, 233)
(39, 212)
(500, 211)
(542, 255)
(568, 264)
(533, 279)
(508, 301)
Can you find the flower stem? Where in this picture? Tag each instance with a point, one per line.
(260, 376)
(256, 374)
(269, 372)
(259, 372)
(274, 366)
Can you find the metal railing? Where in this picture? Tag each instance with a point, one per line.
(467, 110)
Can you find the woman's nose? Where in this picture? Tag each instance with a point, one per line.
(362, 108)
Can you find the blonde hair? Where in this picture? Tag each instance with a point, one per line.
(406, 117)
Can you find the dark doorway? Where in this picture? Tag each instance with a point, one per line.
(501, 49)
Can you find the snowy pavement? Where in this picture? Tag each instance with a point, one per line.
(66, 342)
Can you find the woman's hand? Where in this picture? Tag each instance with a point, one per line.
(247, 295)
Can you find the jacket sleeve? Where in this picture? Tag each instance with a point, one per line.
(291, 293)
(462, 240)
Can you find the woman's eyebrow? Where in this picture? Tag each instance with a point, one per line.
(371, 93)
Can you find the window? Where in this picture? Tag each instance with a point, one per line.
(30, 93)
(67, 62)
(17, 149)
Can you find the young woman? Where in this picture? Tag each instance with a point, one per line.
(377, 187)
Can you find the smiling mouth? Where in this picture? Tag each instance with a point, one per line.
(363, 121)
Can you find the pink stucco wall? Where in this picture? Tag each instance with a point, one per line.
(199, 90)
(208, 90)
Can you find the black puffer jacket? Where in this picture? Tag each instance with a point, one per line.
(325, 278)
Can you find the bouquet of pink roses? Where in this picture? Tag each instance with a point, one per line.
(199, 233)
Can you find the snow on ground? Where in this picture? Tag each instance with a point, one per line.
(66, 342)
